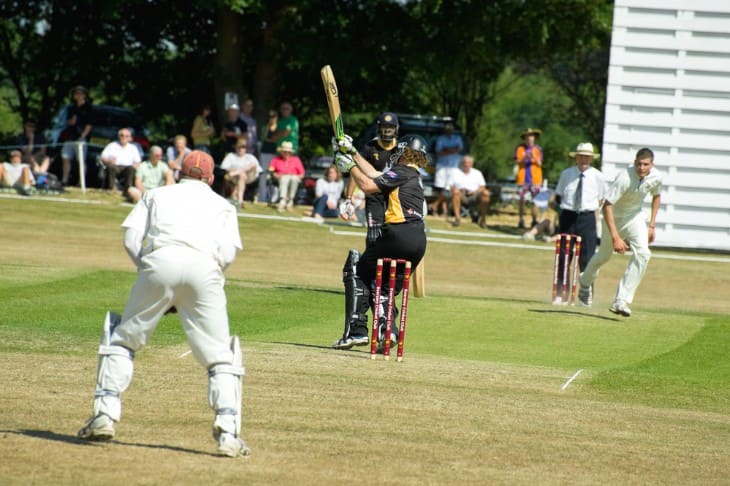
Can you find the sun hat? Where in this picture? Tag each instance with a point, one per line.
(531, 131)
(585, 148)
(286, 146)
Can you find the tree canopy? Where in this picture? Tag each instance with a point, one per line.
(166, 58)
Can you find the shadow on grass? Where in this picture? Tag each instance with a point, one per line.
(72, 439)
(351, 353)
(574, 313)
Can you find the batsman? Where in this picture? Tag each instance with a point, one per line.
(181, 238)
(402, 234)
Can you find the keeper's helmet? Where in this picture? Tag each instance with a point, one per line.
(415, 143)
(387, 126)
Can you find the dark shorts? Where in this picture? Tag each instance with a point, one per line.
(406, 241)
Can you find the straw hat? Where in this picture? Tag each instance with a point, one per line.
(286, 146)
(531, 131)
(585, 148)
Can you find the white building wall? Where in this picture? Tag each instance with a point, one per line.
(669, 90)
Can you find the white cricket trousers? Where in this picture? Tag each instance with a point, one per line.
(192, 282)
(635, 233)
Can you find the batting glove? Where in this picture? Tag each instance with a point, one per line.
(344, 162)
(347, 209)
(345, 145)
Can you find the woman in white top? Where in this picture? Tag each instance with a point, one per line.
(241, 168)
(327, 194)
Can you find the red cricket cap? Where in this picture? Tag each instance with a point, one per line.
(198, 165)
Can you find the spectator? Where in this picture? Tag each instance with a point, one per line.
(253, 132)
(16, 174)
(469, 189)
(288, 170)
(547, 228)
(268, 152)
(176, 153)
(121, 159)
(449, 146)
(203, 130)
(327, 195)
(33, 147)
(624, 228)
(528, 161)
(233, 129)
(79, 120)
(150, 174)
(241, 168)
(287, 127)
(580, 193)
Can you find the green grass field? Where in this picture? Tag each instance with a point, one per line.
(481, 397)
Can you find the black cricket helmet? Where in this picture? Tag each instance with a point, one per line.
(413, 142)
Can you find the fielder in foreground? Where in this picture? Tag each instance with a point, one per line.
(623, 228)
(181, 238)
(403, 234)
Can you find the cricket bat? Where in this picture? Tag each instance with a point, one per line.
(333, 100)
(418, 280)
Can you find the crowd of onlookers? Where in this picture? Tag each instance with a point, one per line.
(262, 159)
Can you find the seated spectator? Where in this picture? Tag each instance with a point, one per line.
(327, 194)
(176, 153)
(469, 189)
(16, 174)
(33, 146)
(234, 128)
(121, 158)
(547, 228)
(241, 168)
(288, 170)
(150, 174)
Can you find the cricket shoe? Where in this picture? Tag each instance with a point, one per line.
(99, 428)
(558, 300)
(350, 341)
(231, 446)
(393, 343)
(619, 307)
(585, 295)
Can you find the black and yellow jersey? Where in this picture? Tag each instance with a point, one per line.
(403, 191)
(379, 158)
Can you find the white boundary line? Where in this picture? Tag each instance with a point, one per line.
(303, 219)
(575, 375)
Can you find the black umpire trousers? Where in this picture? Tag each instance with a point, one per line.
(582, 224)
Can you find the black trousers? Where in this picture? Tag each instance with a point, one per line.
(583, 225)
(406, 240)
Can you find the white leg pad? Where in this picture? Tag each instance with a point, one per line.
(114, 373)
(225, 392)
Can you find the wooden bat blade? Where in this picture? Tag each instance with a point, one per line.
(418, 280)
(333, 100)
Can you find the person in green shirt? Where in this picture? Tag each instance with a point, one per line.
(150, 174)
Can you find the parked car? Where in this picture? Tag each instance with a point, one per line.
(427, 126)
(108, 120)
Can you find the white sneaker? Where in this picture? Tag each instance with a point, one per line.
(620, 307)
(558, 300)
(528, 236)
(231, 446)
(100, 427)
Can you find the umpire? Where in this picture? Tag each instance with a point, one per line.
(403, 234)
(581, 190)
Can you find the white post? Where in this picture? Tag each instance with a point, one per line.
(82, 166)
